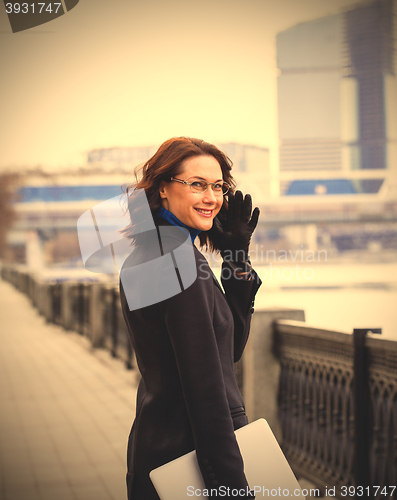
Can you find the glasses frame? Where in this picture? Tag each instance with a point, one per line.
(208, 184)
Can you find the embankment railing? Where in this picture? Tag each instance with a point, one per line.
(90, 308)
(338, 408)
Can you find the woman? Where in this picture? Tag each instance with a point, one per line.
(185, 345)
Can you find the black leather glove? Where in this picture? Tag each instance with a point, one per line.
(232, 229)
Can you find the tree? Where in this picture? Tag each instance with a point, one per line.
(8, 183)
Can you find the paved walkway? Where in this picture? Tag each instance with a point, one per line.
(65, 413)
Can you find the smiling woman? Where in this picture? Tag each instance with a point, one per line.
(185, 345)
(183, 163)
(192, 201)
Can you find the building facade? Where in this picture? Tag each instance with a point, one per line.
(337, 93)
(251, 164)
(246, 158)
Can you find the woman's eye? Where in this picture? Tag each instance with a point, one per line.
(198, 184)
(218, 187)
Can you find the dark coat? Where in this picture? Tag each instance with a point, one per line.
(188, 396)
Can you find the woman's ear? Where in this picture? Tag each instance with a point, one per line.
(163, 190)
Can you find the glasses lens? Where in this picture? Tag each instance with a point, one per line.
(218, 188)
(201, 186)
(198, 186)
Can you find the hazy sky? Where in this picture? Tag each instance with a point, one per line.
(131, 73)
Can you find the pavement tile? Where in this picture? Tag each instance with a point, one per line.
(21, 476)
(81, 475)
(30, 493)
(117, 490)
(50, 474)
(56, 492)
(45, 459)
(93, 492)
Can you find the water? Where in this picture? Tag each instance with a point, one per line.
(339, 295)
(335, 296)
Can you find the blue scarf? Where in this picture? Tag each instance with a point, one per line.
(170, 217)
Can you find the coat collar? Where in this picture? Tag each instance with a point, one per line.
(165, 222)
(165, 214)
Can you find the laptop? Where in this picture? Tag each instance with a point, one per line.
(266, 468)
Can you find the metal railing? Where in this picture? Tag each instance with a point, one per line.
(92, 309)
(338, 408)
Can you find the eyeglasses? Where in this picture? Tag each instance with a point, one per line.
(202, 186)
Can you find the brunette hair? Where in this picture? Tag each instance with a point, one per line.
(166, 163)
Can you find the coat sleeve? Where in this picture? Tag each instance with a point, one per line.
(189, 321)
(240, 295)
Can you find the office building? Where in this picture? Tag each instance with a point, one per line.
(337, 93)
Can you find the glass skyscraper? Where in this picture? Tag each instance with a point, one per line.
(337, 92)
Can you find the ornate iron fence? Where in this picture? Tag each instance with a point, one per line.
(73, 305)
(338, 408)
(55, 290)
(382, 374)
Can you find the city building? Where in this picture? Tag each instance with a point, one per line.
(246, 158)
(251, 164)
(337, 95)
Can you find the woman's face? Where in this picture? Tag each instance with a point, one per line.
(196, 210)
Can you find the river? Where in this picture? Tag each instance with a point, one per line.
(334, 295)
(338, 294)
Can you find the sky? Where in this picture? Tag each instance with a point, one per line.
(135, 73)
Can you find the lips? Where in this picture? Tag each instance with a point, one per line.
(203, 211)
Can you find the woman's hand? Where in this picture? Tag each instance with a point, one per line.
(232, 231)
